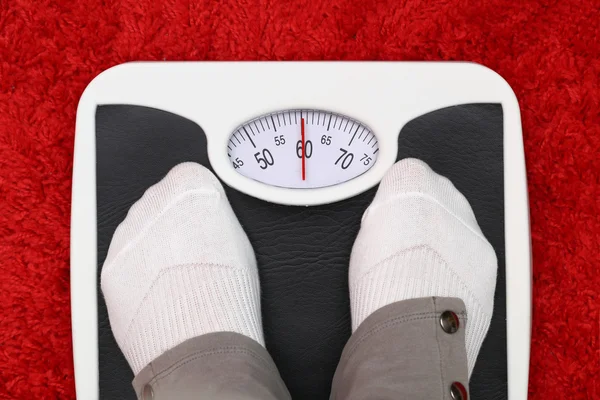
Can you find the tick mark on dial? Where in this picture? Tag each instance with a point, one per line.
(273, 121)
(376, 151)
(357, 128)
(329, 124)
(251, 141)
(361, 133)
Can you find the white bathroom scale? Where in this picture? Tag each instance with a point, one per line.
(300, 148)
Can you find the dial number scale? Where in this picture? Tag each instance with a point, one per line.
(302, 149)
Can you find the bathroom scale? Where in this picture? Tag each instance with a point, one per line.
(300, 148)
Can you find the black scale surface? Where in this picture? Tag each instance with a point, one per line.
(303, 252)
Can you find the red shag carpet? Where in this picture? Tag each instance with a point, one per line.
(548, 50)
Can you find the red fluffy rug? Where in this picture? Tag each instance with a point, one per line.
(548, 50)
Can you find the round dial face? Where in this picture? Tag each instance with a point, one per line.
(302, 149)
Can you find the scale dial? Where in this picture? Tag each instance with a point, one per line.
(302, 149)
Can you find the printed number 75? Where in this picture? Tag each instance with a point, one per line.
(366, 159)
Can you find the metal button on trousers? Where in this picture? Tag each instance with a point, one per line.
(449, 322)
(147, 393)
(458, 391)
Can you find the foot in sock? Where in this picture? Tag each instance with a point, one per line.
(180, 266)
(420, 238)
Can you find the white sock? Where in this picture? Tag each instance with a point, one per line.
(180, 266)
(420, 238)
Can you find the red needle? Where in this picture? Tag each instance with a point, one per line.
(303, 153)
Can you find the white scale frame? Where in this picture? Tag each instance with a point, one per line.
(219, 96)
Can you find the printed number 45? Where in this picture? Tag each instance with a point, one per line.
(238, 163)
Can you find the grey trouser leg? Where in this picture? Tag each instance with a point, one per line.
(402, 351)
(222, 365)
